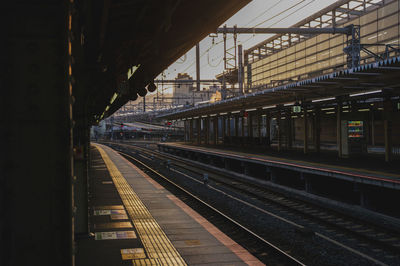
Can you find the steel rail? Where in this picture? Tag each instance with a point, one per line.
(217, 211)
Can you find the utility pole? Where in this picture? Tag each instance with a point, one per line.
(197, 70)
(240, 69)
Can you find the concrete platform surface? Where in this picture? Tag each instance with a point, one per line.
(136, 221)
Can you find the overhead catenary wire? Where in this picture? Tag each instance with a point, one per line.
(258, 24)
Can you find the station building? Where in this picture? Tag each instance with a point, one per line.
(326, 92)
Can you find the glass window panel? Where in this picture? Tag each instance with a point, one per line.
(281, 69)
(370, 17)
(290, 66)
(337, 60)
(311, 50)
(291, 50)
(281, 54)
(337, 50)
(336, 41)
(300, 46)
(388, 34)
(388, 21)
(322, 37)
(300, 62)
(282, 61)
(388, 9)
(300, 54)
(323, 55)
(311, 59)
(322, 46)
(312, 41)
(372, 38)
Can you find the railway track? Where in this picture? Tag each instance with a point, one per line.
(373, 244)
(251, 240)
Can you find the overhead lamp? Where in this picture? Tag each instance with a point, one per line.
(142, 92)
(289, 104)
(133, 70)
(365, 93)
(269, 107)
(151, 87)
(113, 98)
(134, 97)
(324, 99)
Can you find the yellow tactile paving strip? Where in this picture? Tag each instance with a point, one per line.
(157, 245)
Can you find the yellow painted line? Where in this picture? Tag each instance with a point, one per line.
(157, 245)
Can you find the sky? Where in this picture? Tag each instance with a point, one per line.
(258, 13)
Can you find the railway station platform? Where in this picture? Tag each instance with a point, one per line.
(135, 221)
(365, 170)
(355, 186)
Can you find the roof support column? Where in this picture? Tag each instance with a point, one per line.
(250, 126)
(317, 129)
(242, 130)
(259, 125)
(207, 130)
(215, 130)
(279, 133)
(268, 129)
(305, 130)
(236, 126)
(387, 127)
(223, 124)
(185, 131)
(289, 130)
(199, 130)
(191, 139)
(229, 127)
(339, 128)
(372, 137)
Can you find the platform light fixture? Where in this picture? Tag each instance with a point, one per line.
(223, 113)
(269, 107)
(365, 93)
(113, 97)
(323, 99)
(235, 112)
(250, 110)
(327, 109)
(132, 70)
(289, 104)
(363, 110)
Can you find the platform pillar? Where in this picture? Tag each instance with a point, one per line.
(387, 127)
(339, 129)
(250, 126)
(242, 127)
(207, 130)
(259, 121)
(215, 131)
(223, 124)
(236, 126)
(199, 131)
(36, 164)
(317, 129)
(268, 129)
(372, 117)
(191, 130)
(305, 130)
(228, 118)
(279, 133)
(289, 130)
(185, 131)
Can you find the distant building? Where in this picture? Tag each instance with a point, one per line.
(186, 93)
